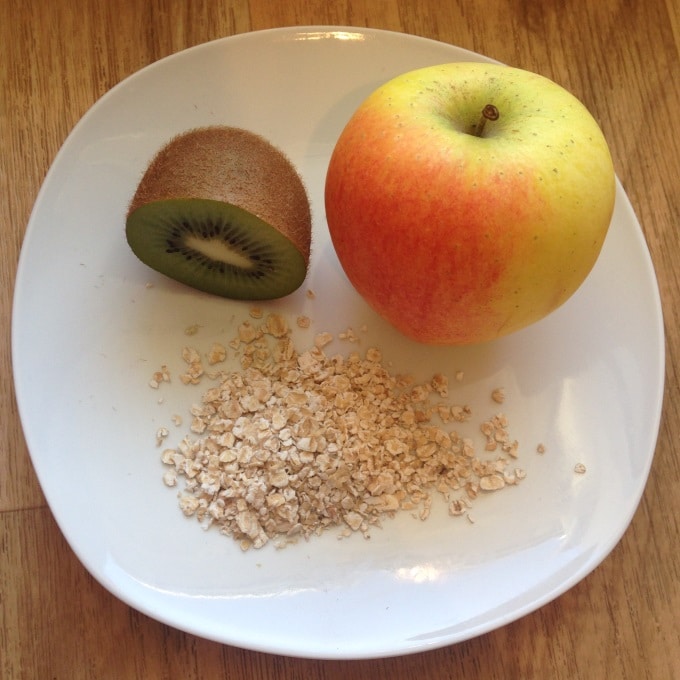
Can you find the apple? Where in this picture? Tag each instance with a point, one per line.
(468, 200)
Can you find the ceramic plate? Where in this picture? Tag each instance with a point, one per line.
(91, 324)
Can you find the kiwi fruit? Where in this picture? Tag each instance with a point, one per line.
(224, 211)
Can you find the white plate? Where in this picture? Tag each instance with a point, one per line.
(88, 332)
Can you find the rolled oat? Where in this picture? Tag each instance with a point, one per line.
(289, 444)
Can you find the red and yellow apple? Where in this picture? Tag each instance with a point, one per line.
(468, 200)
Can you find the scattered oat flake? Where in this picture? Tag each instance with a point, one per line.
(276, 325)
(373, 354)
(216, 354)
(348, 335)
(190, 355)
(458, 507)
(311, 294)
(491, 482)
(192, 330)
(247, 332)
(159, 377)
(498, 395)
(303, 322)
(440, 384)
(170, 477)
(194, 371)
(540, 448)
(256, 312)
(580, 468)
(323, 339)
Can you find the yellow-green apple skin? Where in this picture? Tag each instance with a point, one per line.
(456, 237)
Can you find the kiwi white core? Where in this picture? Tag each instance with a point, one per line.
(219, 252)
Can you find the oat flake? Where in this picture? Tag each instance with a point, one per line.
(289, 444)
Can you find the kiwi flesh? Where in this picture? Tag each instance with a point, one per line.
(224, 211)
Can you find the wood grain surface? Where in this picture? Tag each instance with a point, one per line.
(620, 57)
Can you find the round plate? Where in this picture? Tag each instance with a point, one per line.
(89, 330)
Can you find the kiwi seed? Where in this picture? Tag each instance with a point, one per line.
(222, 210)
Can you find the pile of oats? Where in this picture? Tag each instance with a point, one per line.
(292, 443)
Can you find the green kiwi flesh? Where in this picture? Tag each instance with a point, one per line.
(221, 210)
(216, 247)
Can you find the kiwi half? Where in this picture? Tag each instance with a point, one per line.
(224, 211)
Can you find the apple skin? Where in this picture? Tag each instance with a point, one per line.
(456, 238)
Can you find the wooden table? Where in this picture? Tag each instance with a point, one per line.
(57, 58)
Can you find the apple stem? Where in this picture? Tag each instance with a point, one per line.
(489, 112)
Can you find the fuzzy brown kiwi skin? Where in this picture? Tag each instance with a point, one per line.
(235, 166)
